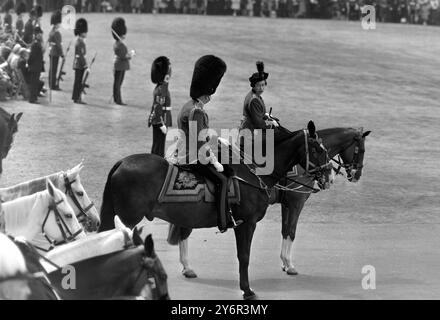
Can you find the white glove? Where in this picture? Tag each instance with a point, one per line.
(164, 129)
(275, 124)
(132, 53)
(218, 166)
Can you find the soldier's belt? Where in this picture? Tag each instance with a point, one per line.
(168, 109)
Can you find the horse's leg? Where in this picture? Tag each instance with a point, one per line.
(291, 209)
(180, 235)
(243, 237)
(183, 249)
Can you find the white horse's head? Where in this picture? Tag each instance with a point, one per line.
(77, 196)
(59, 220)
(13, 282)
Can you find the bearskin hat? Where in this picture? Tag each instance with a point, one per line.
(118, 27)
(39, 10)
(55, 18)
(258, 76)
(8, 5)
(21, 8)
(81, 26)
(159, 69)
(208, 72)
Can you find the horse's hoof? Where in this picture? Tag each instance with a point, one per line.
(291, 271)
(190, 274)
(250, 296)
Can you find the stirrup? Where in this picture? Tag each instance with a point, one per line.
(236, 223)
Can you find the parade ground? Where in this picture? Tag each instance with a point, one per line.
(333, 72)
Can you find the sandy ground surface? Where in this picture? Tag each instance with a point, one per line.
(330, 71)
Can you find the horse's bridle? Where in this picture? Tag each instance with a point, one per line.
(146, 266)
(68, 236)
(82, 216)
(355, 165)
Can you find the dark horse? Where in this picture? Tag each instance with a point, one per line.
(347, 143)
(133, 272)
(134, 184)
(8, 128)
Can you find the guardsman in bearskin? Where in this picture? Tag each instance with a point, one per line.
(56, 49)
(35, 65)
(29, 28)
(39, 11)
(160, 116)
(122, 58)
(19, 23)
(208, 72)
(79, 62)
(7, 21)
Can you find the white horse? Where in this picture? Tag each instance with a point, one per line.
(13, 271)
(93, 245)
(70, 183)
(45, 219)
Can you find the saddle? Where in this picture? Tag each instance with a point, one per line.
(183, 185)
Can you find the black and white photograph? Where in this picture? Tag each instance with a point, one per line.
(219, 150)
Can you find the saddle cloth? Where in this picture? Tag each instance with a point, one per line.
(183, 185)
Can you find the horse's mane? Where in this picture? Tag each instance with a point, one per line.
(12, 261)
(28, 187)
(95, 245)
(16, 212)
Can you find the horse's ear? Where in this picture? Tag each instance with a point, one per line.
(149, 246)
(118, 223)
(137, 240)
(18, 117)
(50, 187)
(312, 129)
(366, 134)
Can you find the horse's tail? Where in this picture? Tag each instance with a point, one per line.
(107, 207)
(176, 234)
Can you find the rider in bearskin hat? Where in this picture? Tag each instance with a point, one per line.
(56, 49)
(19, 24)
(79, 62)
(122, 57)
(160, 116)
(208, 72)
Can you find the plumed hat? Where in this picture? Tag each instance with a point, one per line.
(81, 26)
(208, 72)
(258, 76)
(159, 69)
(21, 8)
(55, 18)
(118, 27)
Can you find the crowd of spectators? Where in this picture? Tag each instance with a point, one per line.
(399, 11)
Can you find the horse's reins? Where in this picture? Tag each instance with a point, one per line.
(69, 191)
(53, 206)
(354, 165)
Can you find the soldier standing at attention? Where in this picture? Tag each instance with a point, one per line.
(56, 49)
(19, 24)
(79, 62)
(160, 116)
(7, 21)
(122, 58)
(29, 28)
(35, 65)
